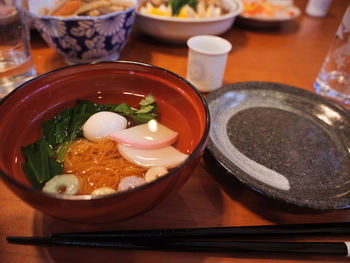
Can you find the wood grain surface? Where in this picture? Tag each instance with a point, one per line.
(291, 54)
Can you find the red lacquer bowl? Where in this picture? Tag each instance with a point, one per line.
(181, 107)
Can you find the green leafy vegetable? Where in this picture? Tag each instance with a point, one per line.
(39, 166)
(148, 110)
(44, 158)
(176, 5)
(122, 108)
(149, 100)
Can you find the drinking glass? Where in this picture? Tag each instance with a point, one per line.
(16, 64)
(333, 80)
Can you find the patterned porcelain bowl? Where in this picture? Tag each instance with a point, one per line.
(82, 39)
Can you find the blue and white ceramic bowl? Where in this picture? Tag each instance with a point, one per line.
(82, 39)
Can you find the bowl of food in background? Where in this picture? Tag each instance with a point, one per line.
(176, 20)
(267, 13)
(84, 31)
(101, 142)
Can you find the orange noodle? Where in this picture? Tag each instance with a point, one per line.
(98, 164)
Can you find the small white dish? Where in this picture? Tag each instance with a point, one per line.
(263, 21)
(178, 30)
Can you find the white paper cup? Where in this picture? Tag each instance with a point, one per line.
(207, 56)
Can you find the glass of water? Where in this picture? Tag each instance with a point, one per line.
(16, 64)
(333, 80)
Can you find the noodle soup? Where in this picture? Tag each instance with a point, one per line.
(181, 108)
(93, 149)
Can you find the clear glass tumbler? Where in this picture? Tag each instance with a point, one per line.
(16, 64)
(333, 80)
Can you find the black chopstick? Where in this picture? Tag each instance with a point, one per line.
(321, 248)
(216, 232)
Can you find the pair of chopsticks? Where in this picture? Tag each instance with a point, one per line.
(217, 239)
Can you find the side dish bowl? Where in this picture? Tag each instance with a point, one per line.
(23, 111)
(276, 14)
(178, 30)
(83, 39)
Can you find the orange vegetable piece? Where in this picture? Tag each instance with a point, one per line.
(68, 8)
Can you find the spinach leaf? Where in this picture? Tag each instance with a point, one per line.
(176, 5)
(61, 122)
(149, 100)
(39, 166)
(148, 110)
(80, 114)
(143, 117)
(124, 109)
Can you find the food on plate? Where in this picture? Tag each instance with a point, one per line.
(183, 8)
(93, 149)
(268, 9)
(68, 8)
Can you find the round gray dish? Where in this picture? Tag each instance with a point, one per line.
(284, 142)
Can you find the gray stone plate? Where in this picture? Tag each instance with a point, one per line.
(286, 143)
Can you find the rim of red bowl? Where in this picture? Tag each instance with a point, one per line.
(198, 148)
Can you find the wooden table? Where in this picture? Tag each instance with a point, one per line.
(292, 54)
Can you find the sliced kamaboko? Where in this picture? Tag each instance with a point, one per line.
(168, 157)
(151, 135)
(103, 123)
(130, 182)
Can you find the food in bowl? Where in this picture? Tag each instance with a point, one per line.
(269, 9)
(183, 9)
(93, 149)
(176, 30)
(181, 108)
(82, 39)
(66, 8)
